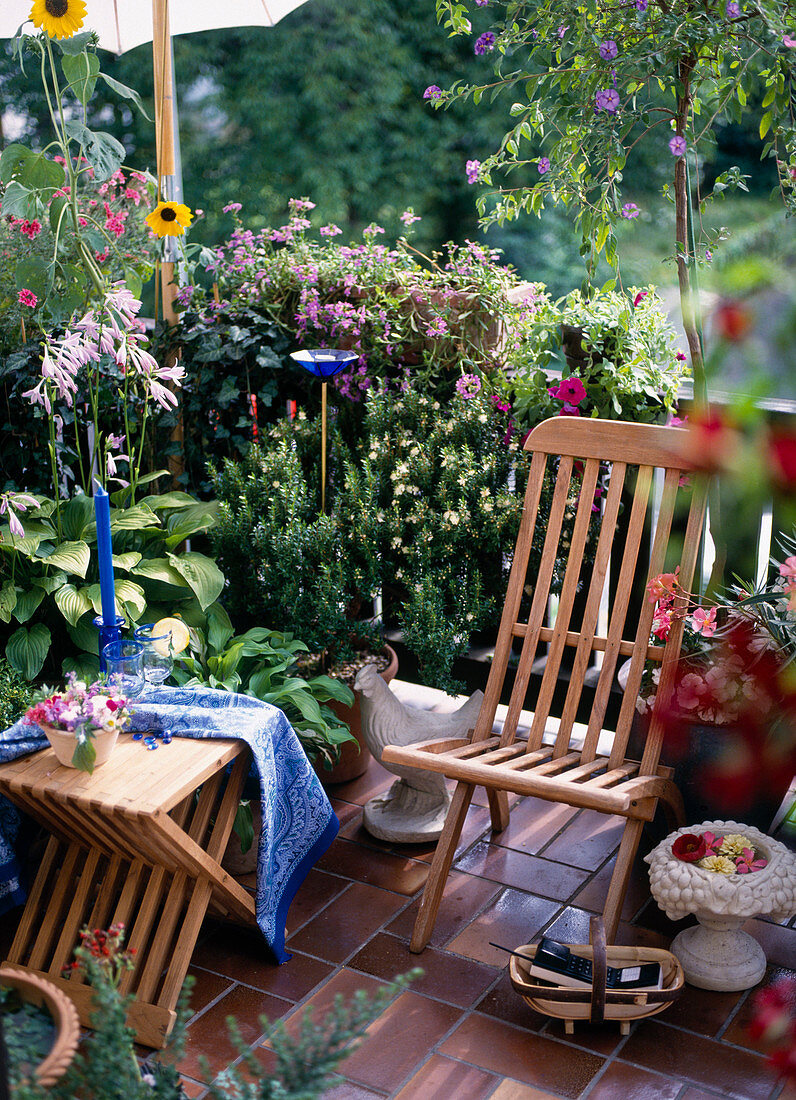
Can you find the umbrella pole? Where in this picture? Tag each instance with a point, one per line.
(323, 446)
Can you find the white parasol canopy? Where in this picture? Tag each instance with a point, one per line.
(123, 24)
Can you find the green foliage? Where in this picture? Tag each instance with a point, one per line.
(63, 270)
(304, 1063)
(447, 515)
(261, 663)
(50, 588)
(285, 562)
(621, 347)
(16, 694)
(238, 378)
(106, 1068)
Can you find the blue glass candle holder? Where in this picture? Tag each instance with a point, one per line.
(108, 634)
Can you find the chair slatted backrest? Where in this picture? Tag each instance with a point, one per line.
(630, 453)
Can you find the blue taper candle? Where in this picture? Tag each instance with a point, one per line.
(102, 514)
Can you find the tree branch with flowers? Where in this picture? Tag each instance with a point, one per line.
(591, 81)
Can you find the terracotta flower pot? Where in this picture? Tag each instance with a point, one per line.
(37, 991)
(63, 745)
(352, 764)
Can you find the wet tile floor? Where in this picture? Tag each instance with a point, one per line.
(460, 1031)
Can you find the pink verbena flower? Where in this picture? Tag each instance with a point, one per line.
(472, 168)
(469, 385)
(27, 298)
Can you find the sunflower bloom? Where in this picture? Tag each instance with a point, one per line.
(169, 219)
(59, 18)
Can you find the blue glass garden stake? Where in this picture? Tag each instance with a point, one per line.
(324, 363)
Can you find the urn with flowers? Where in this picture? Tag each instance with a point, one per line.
(82, 722)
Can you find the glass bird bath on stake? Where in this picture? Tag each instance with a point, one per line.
(324, 363)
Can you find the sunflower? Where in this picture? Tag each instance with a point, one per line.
(60, 18)
(169, 219)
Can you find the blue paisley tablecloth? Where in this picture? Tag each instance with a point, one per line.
(298, 822)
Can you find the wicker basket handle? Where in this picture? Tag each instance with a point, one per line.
(599, 969)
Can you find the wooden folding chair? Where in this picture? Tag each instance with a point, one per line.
(563, 760)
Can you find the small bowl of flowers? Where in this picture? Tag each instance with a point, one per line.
(82, 722)
(730, 854)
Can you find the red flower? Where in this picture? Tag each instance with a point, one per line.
(782, 457)
(690, 847)
(734, 321)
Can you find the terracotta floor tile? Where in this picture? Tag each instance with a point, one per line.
(503, 1003)
(533, 823)
(594, 893)
(539, 876)
(207, 1035)
(404, 876)
(193, 1089)
(446, 977)
(530, 1058)
(464, 897)
(375, 781)
(633, 935)
(587, 841)
(514, 1090)
(623, 1082)
(345, 983)
(654, 918)
(441, 1077)
(206, 987)
(737, 1032)
(315, 892)
(570, 926)
(477, 824)
(698, 1060)
(702, 1010)
(700, 1094)
(347, 924)
(598, 1038)
(399, 1040)
(240, 955)
(513, 918)
(347, 1090)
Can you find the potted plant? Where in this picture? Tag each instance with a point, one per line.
(729, 719)
(40, 1028)
(616, 354)
(82, 722)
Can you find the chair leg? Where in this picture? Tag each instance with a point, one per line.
(498, 808)
(621, 876)
(440, 866)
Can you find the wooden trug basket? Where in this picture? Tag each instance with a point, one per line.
(598, 1003)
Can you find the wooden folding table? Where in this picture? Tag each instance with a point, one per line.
(138, 842)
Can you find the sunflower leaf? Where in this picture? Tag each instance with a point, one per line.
(126, 93)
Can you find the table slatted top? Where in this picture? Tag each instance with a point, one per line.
(132, 780)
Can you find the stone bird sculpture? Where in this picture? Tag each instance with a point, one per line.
(413, 810)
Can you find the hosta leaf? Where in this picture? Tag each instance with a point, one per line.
(126, 561)
(131, 597)
(74, 557)
(77, 516)
(201, 574)
(27, 602)
(27, 649)
(85, 667)
(159, 569)
(85, 635)
(8, 600)
(131, 519)
(73, 602)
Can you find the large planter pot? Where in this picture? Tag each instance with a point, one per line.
(353, 763)
(63, 745)
(37, 991)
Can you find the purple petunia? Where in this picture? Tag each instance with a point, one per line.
(641, 5)
(608, 49)
(607, 100)
(630, 210)
(485, 43)
(433, 91)
(543, 166)
(471, 168)
(733, 9)
(481, 3)
(678, 145)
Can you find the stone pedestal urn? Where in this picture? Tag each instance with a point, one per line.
(716, 953)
